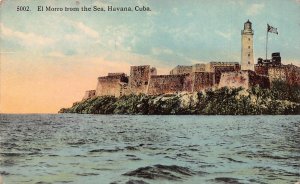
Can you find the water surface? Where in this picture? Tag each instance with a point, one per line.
(70, 148)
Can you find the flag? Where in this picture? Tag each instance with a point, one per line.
(272, 29)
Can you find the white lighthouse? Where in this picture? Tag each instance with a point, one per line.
(247, 59)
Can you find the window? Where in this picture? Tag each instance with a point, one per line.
(248, 39)
(248, 47)
(248, 62)
(248, 55)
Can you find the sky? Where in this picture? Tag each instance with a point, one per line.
(49, 59)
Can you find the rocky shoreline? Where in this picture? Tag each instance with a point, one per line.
(280, 99)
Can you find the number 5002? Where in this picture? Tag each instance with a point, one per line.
(22, 8)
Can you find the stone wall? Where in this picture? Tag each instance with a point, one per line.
(293, 75)
(261, 69)
(110, 85)
(139, 78)
(161, 84)
(197, 81)
(245, 79)
(214, 64)
(116, 74)
(89, 94)
(200, 67)
(219, 69)
(178, 70)
(288, 73)
(202, 80)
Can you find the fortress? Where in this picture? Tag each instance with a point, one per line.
(201, 76)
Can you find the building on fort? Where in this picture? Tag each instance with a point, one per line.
(200, 76)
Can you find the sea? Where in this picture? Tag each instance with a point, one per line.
(127, 149)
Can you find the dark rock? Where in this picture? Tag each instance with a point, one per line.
(227, 180)
(172, 172)
(105, 150)
(136, 182)
(3, 173)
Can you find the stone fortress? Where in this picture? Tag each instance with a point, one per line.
(201, 76)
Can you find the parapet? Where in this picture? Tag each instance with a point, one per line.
(244, 79)
(181, 69)
(113, 76)
(163, 84)
(116, 74)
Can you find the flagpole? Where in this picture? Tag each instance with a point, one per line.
(267, 44)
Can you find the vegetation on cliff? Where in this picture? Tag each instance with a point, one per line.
(280, 99)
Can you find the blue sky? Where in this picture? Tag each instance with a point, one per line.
(64, 52)
(174, 32)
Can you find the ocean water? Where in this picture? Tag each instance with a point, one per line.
(71, 148)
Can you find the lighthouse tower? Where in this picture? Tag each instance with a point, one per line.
(247, 61)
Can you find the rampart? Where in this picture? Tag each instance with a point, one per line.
(89, 94)
(288, 73)
(116, 74)
(180, 69)
(200, 67)
(110, 85)
(244, 79)
(261, 70)
(161, 84)
(139, 78)
(144, 79)
(202, 80)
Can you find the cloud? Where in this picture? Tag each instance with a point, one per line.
(224, 34)
(86, 30)
(28, 39)
(255, 9)
(175, 11)
(159, 51)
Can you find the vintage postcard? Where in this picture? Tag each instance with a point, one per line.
(149, 92)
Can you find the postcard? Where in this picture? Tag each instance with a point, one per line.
(149, 92)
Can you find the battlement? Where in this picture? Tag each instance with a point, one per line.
(169, 76)
(195, 78)
(116, 74)
(161, 84)
(181, 69)
(244, 79)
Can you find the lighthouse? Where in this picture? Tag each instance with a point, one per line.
(247, 58)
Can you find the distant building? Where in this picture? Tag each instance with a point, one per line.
(275, 70)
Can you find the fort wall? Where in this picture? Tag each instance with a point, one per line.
(244, 79)
(89, 94)
(116, 74)
(261, 70)
(144, 79)
(202, 80)
(211, 66)
(110, 85)
(161, 84)
(219, 69)
(180, 69)
(288, 73)
(139, 78)
(200, 67)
